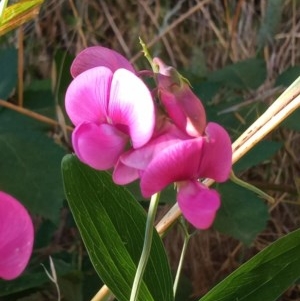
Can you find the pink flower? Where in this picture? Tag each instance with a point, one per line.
(97, 56)
(181, 104)
(108, 109)
(174, 157)
(16, 237)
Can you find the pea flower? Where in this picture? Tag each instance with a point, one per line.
(16, 237)
(174, 157)
(110, 107)
(97, 56)
(181, 104)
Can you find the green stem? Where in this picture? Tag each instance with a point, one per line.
(246, 185)
(187, 237)
(148, 56)
(146, 247)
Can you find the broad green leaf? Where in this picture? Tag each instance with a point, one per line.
(8, 71)
(288, 76)
(112, 225)
(242, 214)
(17, 14)
(270, 23)
(292, 122)
(264, 277)
(24, 282)
(264, 150)
(36, 277)
(39, 98)
(247, 74)
(30, 164)
(205, 90)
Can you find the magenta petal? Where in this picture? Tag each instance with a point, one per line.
(98, 56)
(16, 237)
(98, 146)
(87, 96)
(217, 154)
(131, 105)
(133, 162)
(198, 204)
(124, 174)
(177, 162)
(181, 104)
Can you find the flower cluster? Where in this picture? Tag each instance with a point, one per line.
(159, 137)
(16, 237)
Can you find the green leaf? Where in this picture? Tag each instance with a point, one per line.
(205, 90)
(288, 76)
(270, 22)
(30, 164)
(264, 150)
(264, 277)
(8, 71)
(112, 225)
(36, 277)
(39, 98)
(242, 214)
(247, 74)
(292, 122)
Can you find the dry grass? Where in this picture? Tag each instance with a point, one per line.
(197, 35)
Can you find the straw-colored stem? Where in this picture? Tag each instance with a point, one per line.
(32, 114)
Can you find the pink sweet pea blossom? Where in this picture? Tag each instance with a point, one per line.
(97, 56)
(174, 157)
(16, 237)
(181, 104)
(108, 109)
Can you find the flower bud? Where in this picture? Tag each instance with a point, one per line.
(181, 104)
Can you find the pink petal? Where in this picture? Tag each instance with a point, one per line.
(131, 106)
(16, 237)
(133, 162)
(98, 146)
(98, 56)
(198, 204)
(178, 162)
(185, 109)
(181, 104)
(124, 174)
(87, 96)
(217, 154)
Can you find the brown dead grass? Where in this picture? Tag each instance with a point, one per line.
(203, 35)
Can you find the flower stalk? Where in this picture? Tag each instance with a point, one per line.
(186, 240)
(146, 247)
(251, 187)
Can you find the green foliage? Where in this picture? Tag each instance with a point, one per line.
(31, 161)
(247, 74)
(264, 277)
(292, 122)
(62, 63)
(264, 150)
(36, 277)
(270, 22)
(8, 71)
(288, 76)
(112, 225)
(242, 214)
